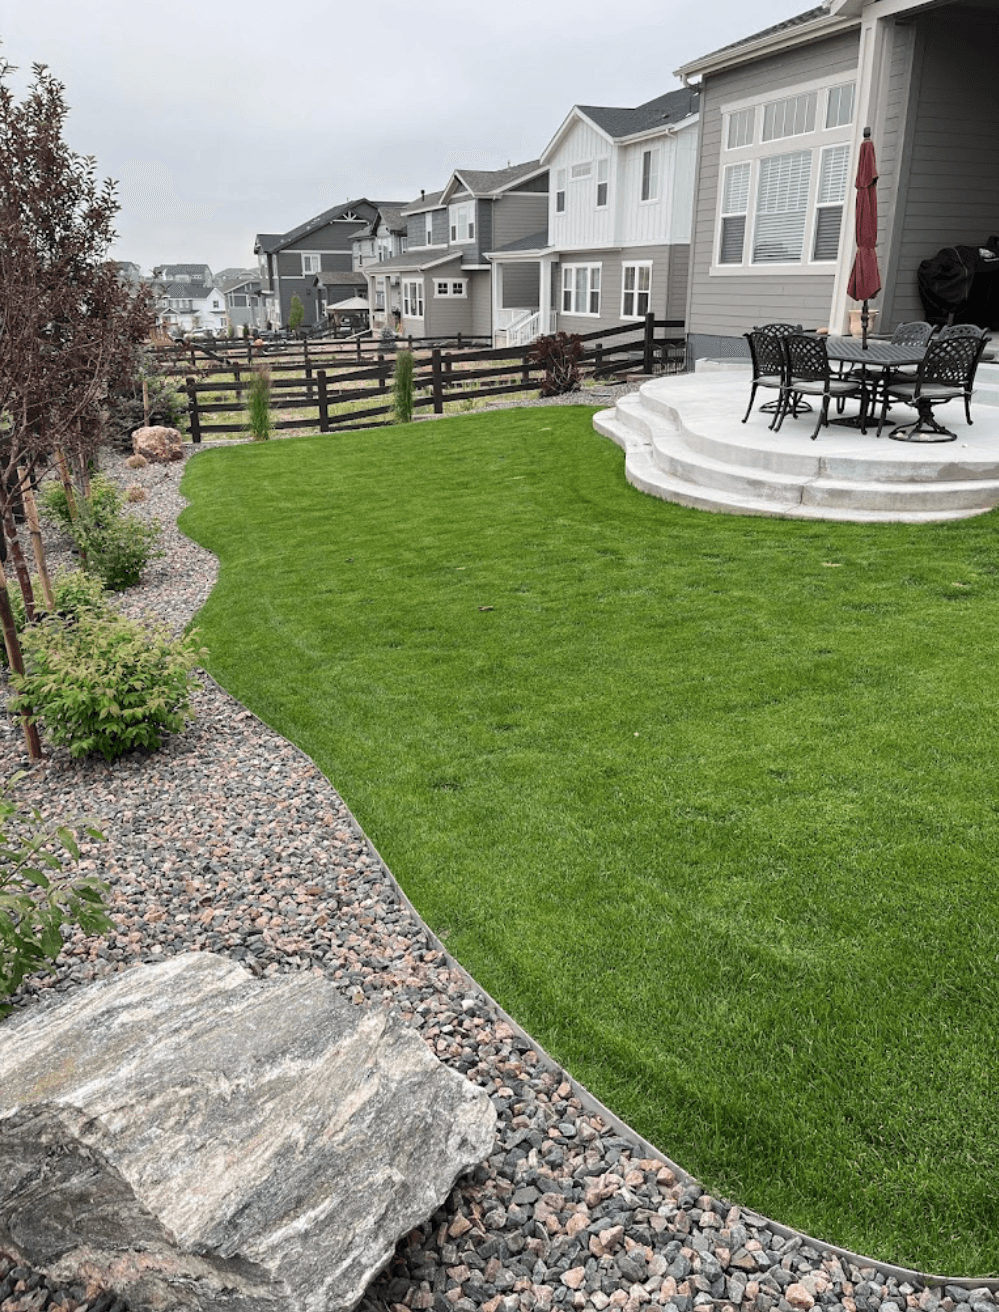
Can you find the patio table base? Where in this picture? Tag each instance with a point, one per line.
(925, 429)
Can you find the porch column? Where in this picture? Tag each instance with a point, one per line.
(545, 299)
(873, 69)
(496, 278)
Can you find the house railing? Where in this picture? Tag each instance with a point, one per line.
(316, 395)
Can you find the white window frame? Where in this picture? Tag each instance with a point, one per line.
(835, 97)
(833, 200)
(429, 229)
(560, 175)
(461, 220)
(412, 298)
(603, 182)
(312, 262)
(815, 143)
(450, 288)
(379, 293)
(586, 288)
(650, 169)
(636, 300)
(581, 171)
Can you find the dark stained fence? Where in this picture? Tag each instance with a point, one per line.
(320, 383)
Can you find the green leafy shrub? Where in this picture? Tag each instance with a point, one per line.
(105, 683)
(115, 546)
(38, 895)
(402, 388)
(296, 313)
(73, 590)
(105, 499)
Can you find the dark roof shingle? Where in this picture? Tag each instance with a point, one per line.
(672, 107)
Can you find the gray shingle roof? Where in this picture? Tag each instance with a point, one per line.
(412, 260)
(483, 182)
(808, 16)
(672, 107)
(429, 201)
(537, 241)
(269, 242)
(339, 278)
(190, 291)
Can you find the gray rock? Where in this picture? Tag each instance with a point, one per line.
(199, 1139)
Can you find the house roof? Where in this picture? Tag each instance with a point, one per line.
(411, 261)
(340, 278)
(364, 208)
(488, 182)
(200, 272)
(673, 107)
(189, 291)
(830, 14)
(430, 200)
(252, 286)
(390, 215)
(537, 241)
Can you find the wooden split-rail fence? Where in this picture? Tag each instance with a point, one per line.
(335, 395)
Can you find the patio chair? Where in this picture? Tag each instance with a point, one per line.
(809, 374)
(914, 333)
(767, 356)
(947, 373)
(973, 331)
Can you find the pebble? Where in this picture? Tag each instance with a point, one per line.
(229, 840)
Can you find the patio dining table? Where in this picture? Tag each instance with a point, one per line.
(878, 358)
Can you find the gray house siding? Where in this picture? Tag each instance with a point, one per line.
(480, 294)
(416, 229)
(521, 286)
(447, 315)
(669, 285)
(726, 307)
(949, 189)
(519, 216)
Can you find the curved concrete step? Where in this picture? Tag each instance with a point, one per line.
(684, 442)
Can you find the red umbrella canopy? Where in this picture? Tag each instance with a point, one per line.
(865, 280)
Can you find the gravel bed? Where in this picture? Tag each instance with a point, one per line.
(229, 840)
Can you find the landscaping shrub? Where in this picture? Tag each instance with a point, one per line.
(105, 683)
(74, 591)
(114, 545)
(402, 390)
(126, 408)
(38, 895)
(559, 355)
(135, 493)
(258, 404)
(136, 462)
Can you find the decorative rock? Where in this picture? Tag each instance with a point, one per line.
(158, 444)
(195, 1138)
(798, 1296)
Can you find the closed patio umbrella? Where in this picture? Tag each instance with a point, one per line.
(865, 280)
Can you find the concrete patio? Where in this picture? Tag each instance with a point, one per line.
(684, 441)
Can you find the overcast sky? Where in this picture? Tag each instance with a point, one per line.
(224, 118)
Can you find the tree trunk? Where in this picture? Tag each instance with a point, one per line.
(37, 544)
(67, 483)
(20, 565)
(31, 738)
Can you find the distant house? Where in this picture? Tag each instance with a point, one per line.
(242, 299)
(782, 119)
(289, 263)
(442, 284)
(187, 298)
(616, 237)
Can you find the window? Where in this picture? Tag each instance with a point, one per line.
(580, 171)
(735, 203)
(430, 229)
(636, 286)
(237, 301)
(782, 208)
(839, 107)
(650, 174)
(741, 129)
(412, 299)
(449, 287)
(603, 174)
(215, 304)
(379, 293)
(789, 118)
(581, 289)
(560, 191)
(833, 175)
(462, 223)
(310, 264)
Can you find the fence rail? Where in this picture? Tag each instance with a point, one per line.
(315, 383)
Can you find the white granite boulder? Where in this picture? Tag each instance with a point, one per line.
(196, 1138)
(158, 444)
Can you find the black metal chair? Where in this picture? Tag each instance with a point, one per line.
(914, 333)
(769, 365)
(947, 373)
(809, 373)
(973, 331)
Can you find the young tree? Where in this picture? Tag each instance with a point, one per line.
(69, 326)
(296, 314)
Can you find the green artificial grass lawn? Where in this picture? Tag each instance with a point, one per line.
(707, 802)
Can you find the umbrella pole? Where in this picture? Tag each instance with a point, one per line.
(864, 318)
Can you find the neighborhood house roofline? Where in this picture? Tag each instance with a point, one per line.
(483, 184)
(665, 113)
(271, 243)
(430, 201)
(827, 19)
(407, 264)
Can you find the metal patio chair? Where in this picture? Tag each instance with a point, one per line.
(809, 373)
(947, 373)
(769, 365)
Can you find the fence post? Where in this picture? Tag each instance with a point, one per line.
(237, 373)
(598, 359)
(382, 372)
(324, 408)
(435, 357)
(194, 363)
(459, 341)
(648, 352)
(358, 350)
(192, 410)
(525, 376)
(249, 353)
(308, 370)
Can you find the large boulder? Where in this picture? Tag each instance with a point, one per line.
(158, 444)
(196, 1138)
